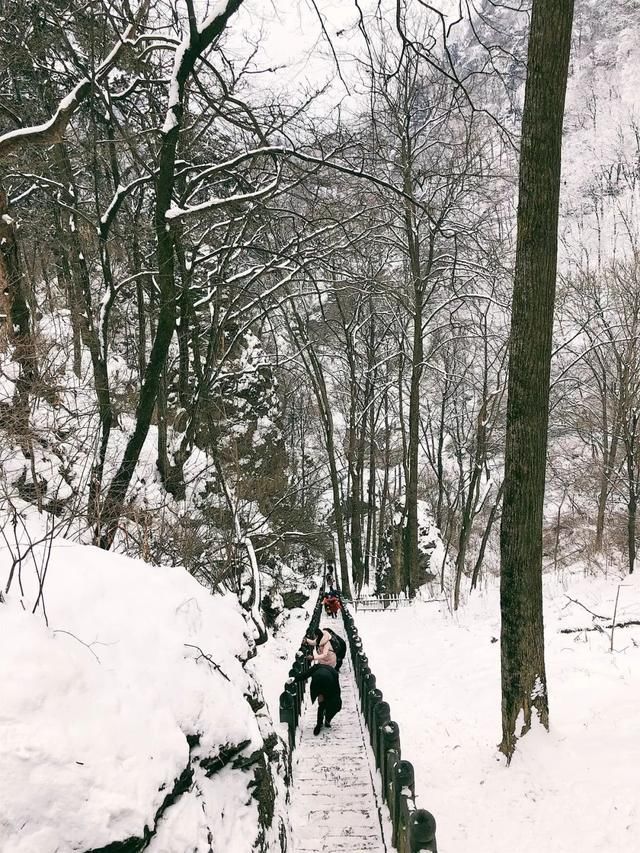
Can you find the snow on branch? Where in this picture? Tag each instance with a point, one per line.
(197, 39)
(53, 130)
(120, 194)
(176, 212)
(327, 161)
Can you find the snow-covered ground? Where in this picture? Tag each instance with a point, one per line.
(573, 790)
(112, 702)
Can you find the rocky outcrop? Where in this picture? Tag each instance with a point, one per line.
(267, 781)
(135, 845)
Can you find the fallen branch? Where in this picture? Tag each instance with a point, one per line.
(631, 623)
(211, 661)
(82, 642)
(580, 604)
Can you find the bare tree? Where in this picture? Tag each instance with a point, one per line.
(524, 680)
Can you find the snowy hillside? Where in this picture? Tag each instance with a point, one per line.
(601, 143)
(570, 791)
(256, 275)
(131, 715)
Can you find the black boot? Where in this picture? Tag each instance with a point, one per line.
(320, 719)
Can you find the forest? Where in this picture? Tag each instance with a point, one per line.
(278, 291)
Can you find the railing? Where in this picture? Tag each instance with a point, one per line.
(380, 602)
(413, 829)
(292, 696)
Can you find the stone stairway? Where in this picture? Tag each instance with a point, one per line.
(335, 801)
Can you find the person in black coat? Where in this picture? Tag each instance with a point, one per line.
(338, 645)
(325, 687)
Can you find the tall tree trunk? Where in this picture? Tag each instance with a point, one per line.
(90, 331)
(65, 283)
(631, 527)
(164, 466)
(114, 498)
(384, 492)
(15, 323)
(410, 551)
(303, 454)
(184, 330)
(485, 538)
(524, 680)
(353, 483)
(632, 501)
(466, 523)
(327, 420)
(370, 544)
(471, 503)
(440, 461)
(185, 62)
(609, 454)
(140, 301)
(337, 509)
(314, 370)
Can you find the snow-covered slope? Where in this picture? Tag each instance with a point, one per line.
(134, 696)
(572, 790)
(601, 143)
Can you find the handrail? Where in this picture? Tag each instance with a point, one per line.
(413, 829)
(387, 601)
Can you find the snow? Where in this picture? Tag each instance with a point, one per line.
(176, 212)
(67, 103)
(97, 705)
(171, 118)
(571, 789)
(217, 8)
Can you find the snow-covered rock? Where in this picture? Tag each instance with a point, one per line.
(130, 716)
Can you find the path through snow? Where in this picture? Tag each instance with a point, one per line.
(336, 804)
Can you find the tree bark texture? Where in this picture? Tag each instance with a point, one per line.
(524, 681)
(15, 322)
(632, 501)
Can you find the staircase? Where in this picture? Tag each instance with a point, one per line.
(335, 805)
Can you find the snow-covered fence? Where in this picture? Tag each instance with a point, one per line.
(413, 829)
(292, 696)
(381, 602)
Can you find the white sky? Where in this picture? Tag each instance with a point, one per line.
(292, 40)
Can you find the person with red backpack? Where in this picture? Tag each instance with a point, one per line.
(331, 604)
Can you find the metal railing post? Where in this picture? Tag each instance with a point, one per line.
(422, 831)
(368, 684)
(403, 788)
(380, 717)
(288, 715)
(372, 703)
(390, 740)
